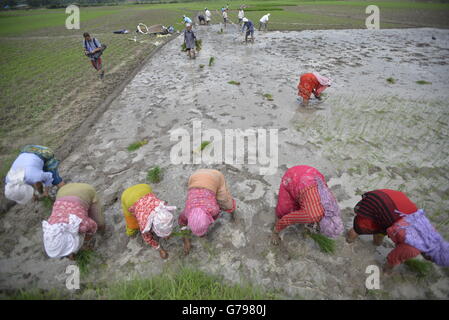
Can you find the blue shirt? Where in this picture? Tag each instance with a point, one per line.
(91, 45)
(187, 20)
(249, 24)
(33, 166)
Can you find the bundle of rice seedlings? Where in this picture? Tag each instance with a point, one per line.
(198, 44)
(423, 82)
(211, 61)
(136, 145)
(181, 233)
(326, 244)
(268, 96)
(154, 175)
(221, 31)
(234, 82)
(422, 268)
(391, 80)
(201, 66)
(83, 259)
(183, 47)
(204, 144)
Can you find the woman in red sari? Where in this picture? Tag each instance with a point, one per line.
(312, 83)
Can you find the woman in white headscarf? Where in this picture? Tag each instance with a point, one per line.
(35, 167)
(75, 218)
(312, 83)
(145, 212)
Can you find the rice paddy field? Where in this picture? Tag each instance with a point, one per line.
(384, 123)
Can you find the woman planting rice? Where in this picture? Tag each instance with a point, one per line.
(207, 195)
(75, 218)
(305, 198)
(189, 40)
(312, 83)
(145, 212)
(390, 212)
(35, 167)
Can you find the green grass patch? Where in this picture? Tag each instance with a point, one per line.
(136, 145)
(268, 96)
(84, 259)
(326, 244)
(234, 82)
(154, 175)
(211, 61)
(391, 80)
(423, 82)
(422, 268)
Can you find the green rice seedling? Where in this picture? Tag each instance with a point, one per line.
(201, 66)
(136, 145)
(204, 144)
(268, 96)
(391, 80)
(422, 268)
(234, 82)
(211, 61)
(155, 175)
(181, 233)
(183, 47)
(83, 259)
(221, 31)
(423, 82)
(198, 44)
(47, 202)
(326, 244)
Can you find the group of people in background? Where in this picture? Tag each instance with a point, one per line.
(304, 198)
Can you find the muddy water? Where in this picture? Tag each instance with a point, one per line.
(365, 134)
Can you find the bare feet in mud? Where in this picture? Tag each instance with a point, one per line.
(187, 246)
(378, 239)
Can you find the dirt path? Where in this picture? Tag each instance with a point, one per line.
(366, 134)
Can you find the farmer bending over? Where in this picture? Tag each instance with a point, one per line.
(305, 198)
(390, 212)
(249, 25)
(312, 83)
(263, 22)
(93, 49)
(145, 212)
(207, 196)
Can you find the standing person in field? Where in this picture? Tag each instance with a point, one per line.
(145, 212)
(312, 83)
(207, 196)
(208, 15)
(305, 198)
(390, 212)
(225, 17)
(76, 216)
(263, 22)
(34, 168)
(93, 49)
(249, 25)
(189, 40)
(241, 15)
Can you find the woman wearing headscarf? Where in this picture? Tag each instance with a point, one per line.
(390, 212)
(75, 218)
(35, 167)
(189, 40)
(207, 196)
(305, 198)
(145, 212)
(312, 83)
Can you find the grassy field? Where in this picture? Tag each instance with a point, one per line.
(48, 87)
(187, 284)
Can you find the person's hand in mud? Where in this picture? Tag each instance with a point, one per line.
(187, 245)
(351, 236)
(163, 254)
(275, 238)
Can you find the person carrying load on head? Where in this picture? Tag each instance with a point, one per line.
(305, 198)
(207, 196)
(312, 83)
(390, 212)
(94, 49)
(76, 216)
(145, 212)
(34, 168)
